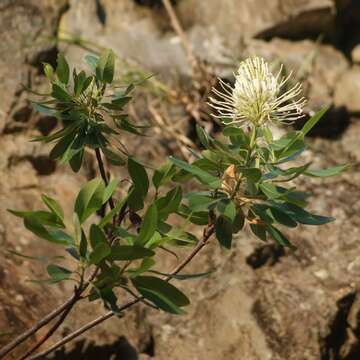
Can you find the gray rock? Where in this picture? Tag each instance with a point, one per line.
(347, 90)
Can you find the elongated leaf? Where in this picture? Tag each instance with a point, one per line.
(327, 172)
(99, 253)
(97, 236)
(227, 208)
(58, 273)
(313, 120)
(279, 237)
(169, 203)
(138, 176)
(184, 276)
(164, 295)
(48, 71)
(302, 216)
(109, 190)
(223, 231)
(89, 199)
(163, 174)
(38, 229)
(54, 206)
(105, 66)
(202, 175)
(148, 225)
(203, 137)
(128, 252)
(271, 191)
(42, 217)
(62, 69)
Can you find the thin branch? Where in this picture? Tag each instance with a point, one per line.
(51, 331)
(83, 329)
(44, 321)
(208, 232)
(65, 308)
(175, 23)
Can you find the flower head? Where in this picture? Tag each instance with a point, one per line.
(258, 96)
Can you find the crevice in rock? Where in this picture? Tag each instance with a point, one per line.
(149, 346)
(100, 12)
(334, 122)
(46, 124)
(119, 350)
(267, 255)
(341, 30)
(43, 164)
(342, 342)
(153, 3)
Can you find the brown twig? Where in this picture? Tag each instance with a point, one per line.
(208, 232)
(175, 23)
(50, 332)
(66, 307)
(41, 323)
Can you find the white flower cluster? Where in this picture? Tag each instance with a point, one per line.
(258, 97)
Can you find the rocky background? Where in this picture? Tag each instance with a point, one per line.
(263, 303)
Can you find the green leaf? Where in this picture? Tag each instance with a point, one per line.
(227, 208)
(48, 71)
(313, 120)
(109, 190)
(53, 206)
(148, 225)
(279, 237)
(92, 61)
(169, 203)
(163, 174)
(259, 231)
(271, 191)
(60, 94)
(145, 265)
(252, 174)
(83, 245)
(129, 252)
(99, 253)
(76, 160)
(139, 176)
(164, 295)
(97, 236)
(199, 202)
(201, 175)
(327, 172)
(42, 217)
(203, 137)
(184, 276)
(42, 109)
(58, 273)
(89, 199)
(223, 231)
(62, 69)
(105, 66)
(108, 217)
(62, 146)
(302, 216)
(198, 218)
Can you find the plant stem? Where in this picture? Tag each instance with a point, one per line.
(103, 174)
(51, 331)
(44, 321)
(66, 307)
(208, 232)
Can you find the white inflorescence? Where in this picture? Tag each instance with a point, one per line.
(257, 96)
